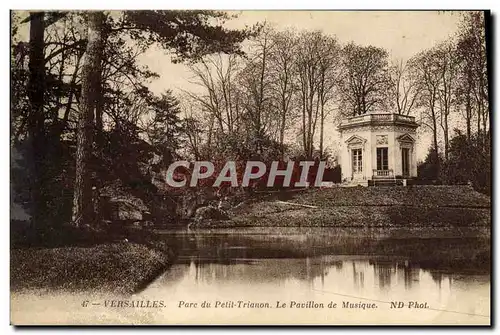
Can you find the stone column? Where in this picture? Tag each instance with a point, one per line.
(363, 160)
(392, 147)
(349, 164)
(413, 161)
(400, 167)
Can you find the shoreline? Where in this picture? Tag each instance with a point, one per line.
(374, 207)
(118, 267)
(127, 268)
(384, 213)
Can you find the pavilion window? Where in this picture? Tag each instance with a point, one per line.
(382, 159)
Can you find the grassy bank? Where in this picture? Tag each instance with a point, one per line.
(114, 267)
(126, 267)
(416, 206)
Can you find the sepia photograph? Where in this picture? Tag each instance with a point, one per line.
(250, 167)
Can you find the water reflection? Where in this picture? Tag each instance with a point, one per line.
(464, 252)
(449, 270)
(328, 266)
(279, 255)
(384, 275)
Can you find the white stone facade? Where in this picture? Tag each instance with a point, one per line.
(377, 147)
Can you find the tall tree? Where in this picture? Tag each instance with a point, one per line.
(256, 78)
(316, 75)
(329, 56)
(192, 128)
(216, 76)
(282, 79)
(164, 125)
(466, 82)
(427, 69)
(365, 78)
(307, 72)
(448, 72)
(473, 87)
(36, 117)
(83, 210)
(403, 88)
(67, 95)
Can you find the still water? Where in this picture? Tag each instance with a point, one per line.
(314, 276)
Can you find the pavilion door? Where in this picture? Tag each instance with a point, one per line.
(405, 161)
(357, 163)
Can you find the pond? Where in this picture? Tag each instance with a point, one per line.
(332, 276)
(245, 275)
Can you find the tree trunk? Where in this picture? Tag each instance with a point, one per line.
(446, 137)
(304, 141)
(71, 96)
(99, 99)
(321, 130)
(479, 119)
(36, 118)
(310, 120)
(435, 140)
(99, 104)
(83, 210)
(485, 122)
(282, 133)
(468, 112)
(209, 136)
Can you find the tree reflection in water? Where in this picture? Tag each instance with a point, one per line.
(280, 255)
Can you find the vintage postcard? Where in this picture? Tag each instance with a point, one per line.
(202, 167)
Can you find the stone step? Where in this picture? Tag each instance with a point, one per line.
(386, 182)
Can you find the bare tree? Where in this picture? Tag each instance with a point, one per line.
(448, 72)
(473, 88)
(365, 78)
(426, 67)
(436, 75)
(193, 128)
(466, 83)
(329, 56)
(256, 80)
(307, 71)
(404, 88)
(282, 60)
(216, 75)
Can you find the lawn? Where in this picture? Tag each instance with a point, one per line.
(420, 206)
(116, 267)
